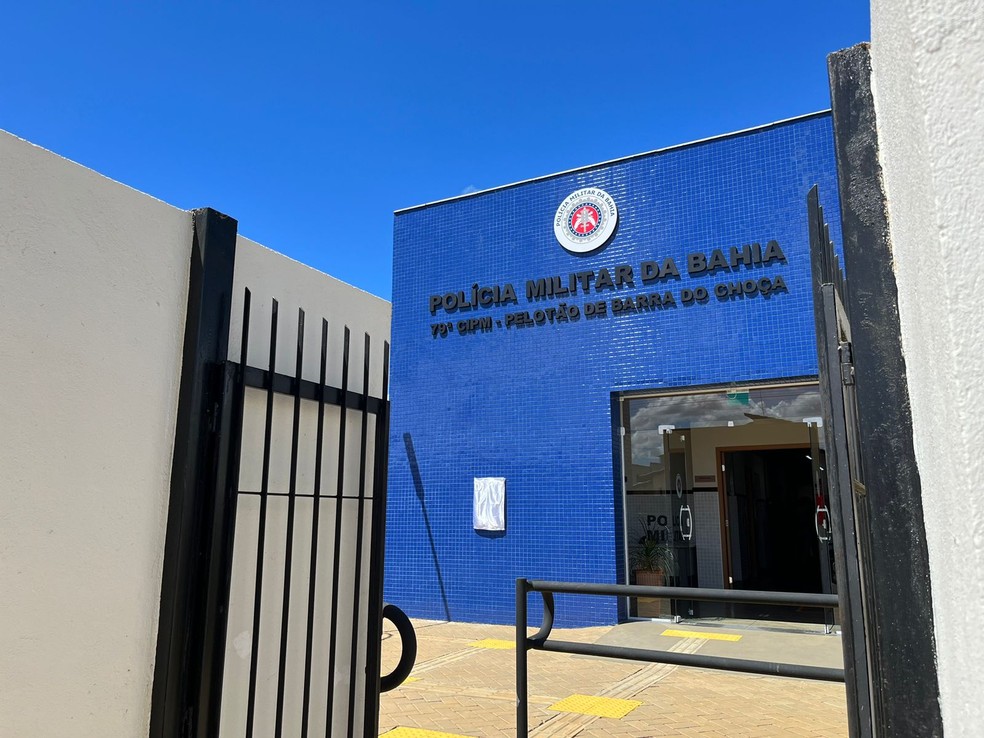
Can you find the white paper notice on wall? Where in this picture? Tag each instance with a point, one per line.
(490, 503)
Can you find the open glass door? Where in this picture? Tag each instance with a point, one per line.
(660, 516)
(724, 488)
(821, 518)
(678, 481)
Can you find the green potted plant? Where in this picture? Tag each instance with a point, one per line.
(651, 560)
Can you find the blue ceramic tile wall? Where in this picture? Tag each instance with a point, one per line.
(533, 405)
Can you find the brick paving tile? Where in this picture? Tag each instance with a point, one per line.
(470, 691)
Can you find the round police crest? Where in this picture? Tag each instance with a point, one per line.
(585, 220)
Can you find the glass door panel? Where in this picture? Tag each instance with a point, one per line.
(821, 518)
(661, 521)
(683, 529)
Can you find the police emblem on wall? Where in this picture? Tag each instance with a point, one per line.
(585, 220)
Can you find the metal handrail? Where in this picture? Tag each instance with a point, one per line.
(540, 642)
(408, 646)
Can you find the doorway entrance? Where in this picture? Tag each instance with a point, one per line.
(725, 488)
(773, 543)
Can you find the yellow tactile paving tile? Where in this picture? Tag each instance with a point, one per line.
(466, 691)
(493, 643)
(419, 733)
(608, 707)
(705, 636)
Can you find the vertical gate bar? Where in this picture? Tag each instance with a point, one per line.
(227, 537)
(291, 506)
(338, 535)
(854, 633)
(522, 709)
(377, 541)
(842, 518)
(316, 517)
(181, 698)
(261, 524)
(353, 665)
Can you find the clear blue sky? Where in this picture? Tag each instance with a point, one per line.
(311, 122)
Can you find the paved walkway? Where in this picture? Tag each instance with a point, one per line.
(464, 685)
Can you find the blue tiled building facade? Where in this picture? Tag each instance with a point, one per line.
(501, 390)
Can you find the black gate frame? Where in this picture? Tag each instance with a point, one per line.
(187, 691)
(890, 654)
(839, 410)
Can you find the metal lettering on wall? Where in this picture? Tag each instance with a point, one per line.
(655, 276)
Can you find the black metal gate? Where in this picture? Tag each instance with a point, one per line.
(271, 606)
(845, 475)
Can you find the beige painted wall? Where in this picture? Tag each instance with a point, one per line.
(93, 289)
(928, 87)
(706, 441)
(268, 275)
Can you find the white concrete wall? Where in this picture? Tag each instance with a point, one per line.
(93, 290)
(928, 85)
(268, 275)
